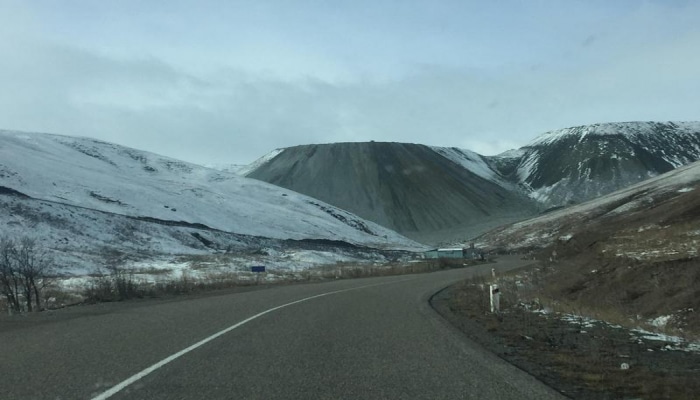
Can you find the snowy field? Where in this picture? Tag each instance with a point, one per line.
(96, 206)
(105, 177)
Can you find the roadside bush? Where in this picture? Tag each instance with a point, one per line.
(117, 285)
(25, 270)
(99, 290)
(124, 285)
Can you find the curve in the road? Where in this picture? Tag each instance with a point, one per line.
(122, 385)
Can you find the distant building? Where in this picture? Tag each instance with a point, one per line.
(445, 253)
(453, 253)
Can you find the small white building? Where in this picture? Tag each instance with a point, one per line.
(445, 253)
(454, 253)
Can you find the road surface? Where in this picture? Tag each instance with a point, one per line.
(374, 338)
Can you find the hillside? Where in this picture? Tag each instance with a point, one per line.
(649, 206)
(576, 164)
(632, 253)
(78, 194)
(424, 193)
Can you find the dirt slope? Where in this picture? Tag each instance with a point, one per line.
(631, 256)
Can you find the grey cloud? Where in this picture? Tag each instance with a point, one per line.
(236, 116)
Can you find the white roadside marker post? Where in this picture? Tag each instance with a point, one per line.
(495, 296)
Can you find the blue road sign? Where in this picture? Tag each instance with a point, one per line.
(258, 268)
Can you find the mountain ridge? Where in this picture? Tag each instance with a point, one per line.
(584, 162)
(557, 168)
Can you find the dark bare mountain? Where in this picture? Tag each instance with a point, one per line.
(425, 193)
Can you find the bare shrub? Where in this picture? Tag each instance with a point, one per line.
(117, 284)
(25, 268)
(10, 279)
(124, 284)
(99, 290)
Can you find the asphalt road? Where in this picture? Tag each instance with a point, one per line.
(373, 338)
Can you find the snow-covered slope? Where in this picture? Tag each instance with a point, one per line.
(106, 177)
(576, 164)
(630, 130)
(224, 167)
(247, 169)
(475, 163)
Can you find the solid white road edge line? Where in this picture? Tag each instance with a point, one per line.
(120, 386)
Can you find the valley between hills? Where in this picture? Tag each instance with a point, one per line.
(607, 213)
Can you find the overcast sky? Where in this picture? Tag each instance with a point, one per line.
(228, 81)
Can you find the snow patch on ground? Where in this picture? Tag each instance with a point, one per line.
(639, 335)
(566, 238)
(674, 342)
(661, 321)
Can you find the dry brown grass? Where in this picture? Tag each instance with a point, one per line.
(107, 287)
(585, 365)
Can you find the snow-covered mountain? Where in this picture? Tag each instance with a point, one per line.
(576, 164)
(435, 194)
(77, 187)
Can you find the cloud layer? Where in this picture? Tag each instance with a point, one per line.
(436, 85)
